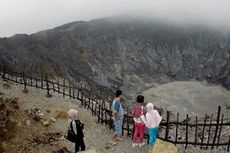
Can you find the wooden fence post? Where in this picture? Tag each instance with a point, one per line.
(217, 124)
(228, 143)
(78, 91)
(58, 85)
(4, 72)
(122, 128)
(167, 126)
(102, 111)
(99, 112)
(110, 115)
(85, 97)
(16, 78)
(186, 136)
(47, 87)
(81, 95)
(25, 82)
(31, 80)
(196, 130)
(209, 132)
(106, 118)
(202, 139)
(89, 98)
(95, 108)
(70, 91)
(177, 120)
(74, 92)
(219, 134)
(36, 81)
(64, 88)
(92, 110)
(127, 120)
(53, 85)
(41, 82)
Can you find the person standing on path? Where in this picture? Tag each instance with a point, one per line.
(77, 126)
(138, 111)
(152, 122)
(118, 116)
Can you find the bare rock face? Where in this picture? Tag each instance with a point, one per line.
(129, 53)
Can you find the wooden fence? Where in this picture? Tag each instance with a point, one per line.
(212, 131)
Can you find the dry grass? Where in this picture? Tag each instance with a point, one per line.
(163, 147)
(61, 115)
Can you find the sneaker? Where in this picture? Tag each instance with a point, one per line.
(134, 145)
(141, 144)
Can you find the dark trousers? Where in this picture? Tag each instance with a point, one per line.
(79, 144)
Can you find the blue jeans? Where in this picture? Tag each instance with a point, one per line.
(118, 126)
(152, 135)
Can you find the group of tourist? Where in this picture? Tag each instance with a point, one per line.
(144, 116)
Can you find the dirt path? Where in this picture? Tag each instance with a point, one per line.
(97, 136)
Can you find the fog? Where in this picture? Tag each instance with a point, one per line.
(29, 16)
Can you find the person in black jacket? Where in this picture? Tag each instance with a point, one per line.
(77, 126)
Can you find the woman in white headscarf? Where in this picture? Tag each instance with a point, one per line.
(152, 122)
(77, 126)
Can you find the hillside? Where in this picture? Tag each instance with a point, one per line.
(127, 52)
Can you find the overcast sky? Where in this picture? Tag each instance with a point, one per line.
(29, 16)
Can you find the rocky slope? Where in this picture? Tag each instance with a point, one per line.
(122, 51)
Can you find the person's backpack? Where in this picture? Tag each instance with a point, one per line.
(137, 110)
(80, 127)
(70, 134)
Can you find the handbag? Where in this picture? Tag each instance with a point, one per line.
(71, 136)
